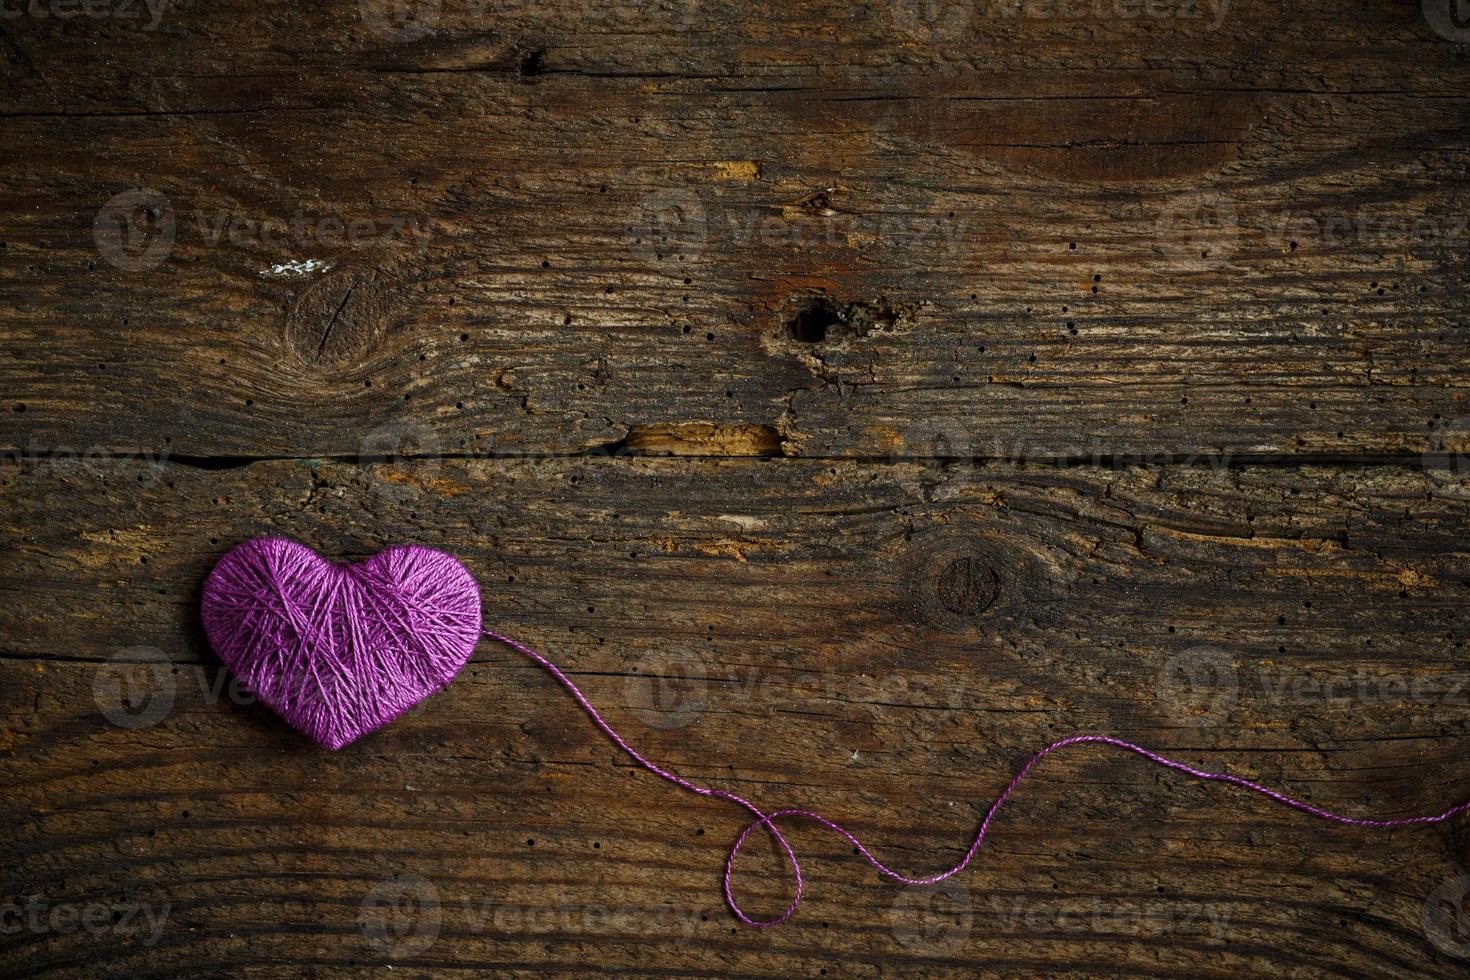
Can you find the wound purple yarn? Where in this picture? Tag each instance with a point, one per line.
(767, 821)
(340, 650)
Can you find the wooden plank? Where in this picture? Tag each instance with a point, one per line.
(1021, 236)
(884, 642)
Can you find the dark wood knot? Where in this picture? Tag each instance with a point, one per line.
(953, 581)
(967, 586)
(340, 317)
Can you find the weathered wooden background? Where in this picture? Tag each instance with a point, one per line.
(854, 398)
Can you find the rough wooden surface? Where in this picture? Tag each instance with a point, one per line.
(1080, 236)
(795, 631)
(846, 265)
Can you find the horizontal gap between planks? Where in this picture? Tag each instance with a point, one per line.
(1416, 461)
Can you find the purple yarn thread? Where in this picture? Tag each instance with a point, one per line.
(340, 650)
(767, 821)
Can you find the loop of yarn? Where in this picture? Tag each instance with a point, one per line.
(340, 650)
(767, 821)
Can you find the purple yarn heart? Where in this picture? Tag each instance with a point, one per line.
(340, 650)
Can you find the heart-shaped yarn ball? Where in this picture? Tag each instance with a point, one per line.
(340, 650)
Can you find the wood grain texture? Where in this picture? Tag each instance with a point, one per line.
(537, 231)
(853, 397)
(809, 634)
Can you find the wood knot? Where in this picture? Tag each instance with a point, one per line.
(967, 586)
(953, 583)
(339, 318)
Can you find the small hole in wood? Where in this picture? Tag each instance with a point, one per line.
(810, 323)
(532, 63)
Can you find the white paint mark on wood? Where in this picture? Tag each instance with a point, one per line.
(298, 270)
